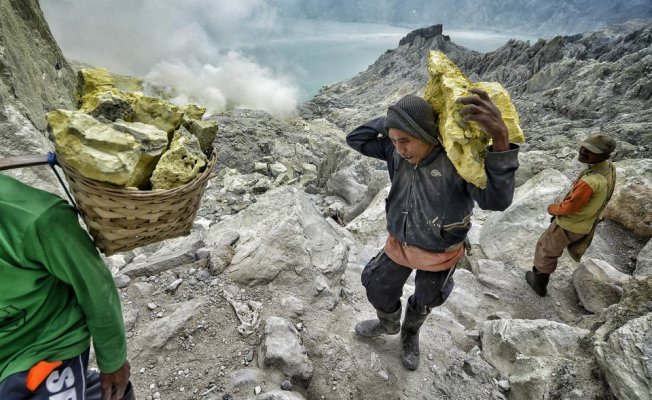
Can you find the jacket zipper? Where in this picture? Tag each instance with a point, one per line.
(407, 207)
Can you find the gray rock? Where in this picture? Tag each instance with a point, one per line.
(280, 395)
(598, 284)
(220, 259)
(531, 354)
(512, 234)
(248, 377)
(284, 232)
(140, 290)
(626, 358)
(172, 287)
(644, 261)
(622, 344)
(630, 204)
(282, 349)
(159, 332)
(294, 305)
(165, 259)
(121, 281)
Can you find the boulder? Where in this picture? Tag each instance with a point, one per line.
(630, 204)
(598, 284)
(370, 227)
(622, 345)
(285, 243)
(537, 356)
(512, 235)
(644, 261)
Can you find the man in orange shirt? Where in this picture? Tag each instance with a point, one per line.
(576, 216)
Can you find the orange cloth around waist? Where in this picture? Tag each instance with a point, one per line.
(39, 372)
(418, 258)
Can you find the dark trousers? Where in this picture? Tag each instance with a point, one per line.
(384, 280)
(70, 381)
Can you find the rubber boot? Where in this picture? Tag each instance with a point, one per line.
(129, 393)
(410, 337)
(538, 281)
(386, 324)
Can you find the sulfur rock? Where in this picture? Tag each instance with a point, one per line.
(97, 95)
(160, 113)
(465, 143)
(205, 131)
(153, 143)
(193, 111)
(97, 151)
(90, 82)
(181, 163)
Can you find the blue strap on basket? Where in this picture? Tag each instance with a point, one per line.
(52, 161)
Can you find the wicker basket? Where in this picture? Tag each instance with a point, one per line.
(122, 219)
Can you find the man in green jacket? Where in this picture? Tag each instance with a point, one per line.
(577, 214)
(56, 294)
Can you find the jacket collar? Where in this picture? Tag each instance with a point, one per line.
(438, 149)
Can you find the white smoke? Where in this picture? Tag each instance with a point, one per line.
(234, 82)
(191, 46)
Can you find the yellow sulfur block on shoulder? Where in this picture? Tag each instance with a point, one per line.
(465, 143)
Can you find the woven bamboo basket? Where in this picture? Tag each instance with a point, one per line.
(121, 219)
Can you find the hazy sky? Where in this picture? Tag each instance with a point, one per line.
(180, 44)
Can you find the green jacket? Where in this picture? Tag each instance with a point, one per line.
(55, 290)
(601, 178)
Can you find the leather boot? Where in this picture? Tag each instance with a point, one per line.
(386, 324)
(410, 337)
(538, 281)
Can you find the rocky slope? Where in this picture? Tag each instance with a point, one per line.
(260, 300)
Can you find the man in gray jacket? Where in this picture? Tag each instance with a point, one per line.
(428, 210)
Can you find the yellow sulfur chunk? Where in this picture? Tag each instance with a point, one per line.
(465, 144)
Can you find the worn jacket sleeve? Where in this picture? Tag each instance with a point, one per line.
(371, 139)
(501, 170)
(68, 253)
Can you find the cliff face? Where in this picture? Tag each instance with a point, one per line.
(33, 72)
(34, 79)
(568, 85)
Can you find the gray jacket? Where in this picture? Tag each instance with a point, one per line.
(430, 205)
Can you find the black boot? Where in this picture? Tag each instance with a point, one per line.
(410, 337)
(386, 324)
(129, 393)
(538, 281)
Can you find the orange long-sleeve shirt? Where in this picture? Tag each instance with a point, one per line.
(578, 197)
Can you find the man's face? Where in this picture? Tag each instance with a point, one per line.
(588, 157)
(410, 148)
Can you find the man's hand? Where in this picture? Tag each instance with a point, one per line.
(115, 383)
(480, 109)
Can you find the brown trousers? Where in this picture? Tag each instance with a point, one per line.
(551, 245)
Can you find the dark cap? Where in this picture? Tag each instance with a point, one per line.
(415, 116)
(599, 144)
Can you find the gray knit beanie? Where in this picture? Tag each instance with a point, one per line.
(415, 116)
